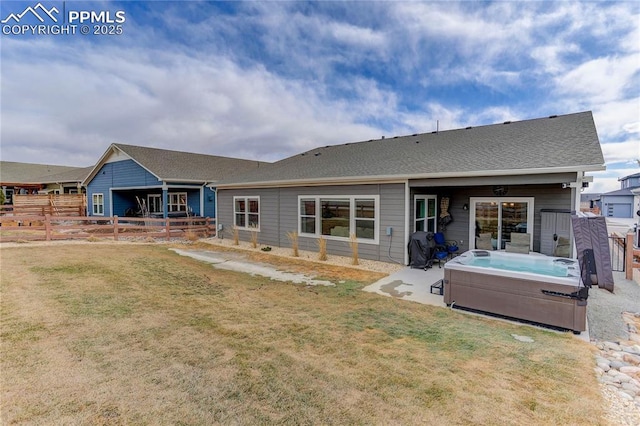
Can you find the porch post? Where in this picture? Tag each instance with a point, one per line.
(165, 201)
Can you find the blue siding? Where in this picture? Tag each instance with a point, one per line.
(209, 203)
(128, 174)
(100, 184)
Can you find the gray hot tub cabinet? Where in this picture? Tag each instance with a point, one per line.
(515, 297)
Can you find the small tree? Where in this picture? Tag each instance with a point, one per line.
(2, 197)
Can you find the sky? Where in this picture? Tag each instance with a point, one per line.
(269, 79)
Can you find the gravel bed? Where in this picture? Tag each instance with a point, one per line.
(366, 264)
(605, 309)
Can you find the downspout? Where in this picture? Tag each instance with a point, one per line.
(407, 229)
(215, 210)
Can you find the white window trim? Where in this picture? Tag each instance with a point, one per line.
(154, 196)
(426, 198)
(169, 204)
(352, 219)
(94, 204)
(472, 215)
(246, 213)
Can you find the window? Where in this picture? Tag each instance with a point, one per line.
(246, 212)
(154, 203)
(339, 216)
(307, 216)
(177, 202)
(98, 204)
(425, 213)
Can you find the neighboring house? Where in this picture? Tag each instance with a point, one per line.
(165, 183)
(590, 203)
(620, 203)
(28, 178)
(523, 176)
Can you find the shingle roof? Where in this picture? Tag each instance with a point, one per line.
(179, 166)
(635, 175)
(75, 175)
(557, 142)
(624, 191)
(15, 172)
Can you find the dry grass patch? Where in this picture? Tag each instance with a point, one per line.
(98, 334)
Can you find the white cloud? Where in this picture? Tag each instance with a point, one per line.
(276, 79)
(169, 100)
(621, 152)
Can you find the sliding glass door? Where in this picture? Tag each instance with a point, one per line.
(500, 217)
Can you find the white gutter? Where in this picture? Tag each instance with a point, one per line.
(352, 180)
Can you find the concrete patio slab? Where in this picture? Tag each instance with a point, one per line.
(415, 285)
(411, 284)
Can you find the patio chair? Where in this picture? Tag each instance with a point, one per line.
(520, 243)
(483, 241)
(443, 249)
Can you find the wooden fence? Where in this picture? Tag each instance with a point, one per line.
(48, 227)
(51, 204)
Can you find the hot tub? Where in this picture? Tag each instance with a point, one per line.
(532, 287)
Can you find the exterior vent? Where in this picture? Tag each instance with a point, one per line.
(470, 127)
(415, 134)
(317, 154)
(434, 132)
(507, 122)
(395, 137)
(417, 141)
(553, 116)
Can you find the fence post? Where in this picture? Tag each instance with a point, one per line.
(168, 229)
(47, 227)
(115, 228)
(628, 261)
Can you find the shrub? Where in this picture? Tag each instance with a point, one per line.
(322, 248)
(236, 236)
(254, 237)
(353, 243)
(293, 237)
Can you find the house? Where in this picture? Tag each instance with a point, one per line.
(129, 179)
(590, 203)
(620, 203)
(521, 176)
(29, 178)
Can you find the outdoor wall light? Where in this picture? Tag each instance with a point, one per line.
(465, 206)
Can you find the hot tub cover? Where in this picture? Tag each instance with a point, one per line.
(591, 233)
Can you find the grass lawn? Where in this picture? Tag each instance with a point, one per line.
(136, 334)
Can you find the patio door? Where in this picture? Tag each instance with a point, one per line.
(500, 217)
(425, 218)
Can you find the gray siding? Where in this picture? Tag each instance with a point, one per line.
(279, 215)
(550, 196)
